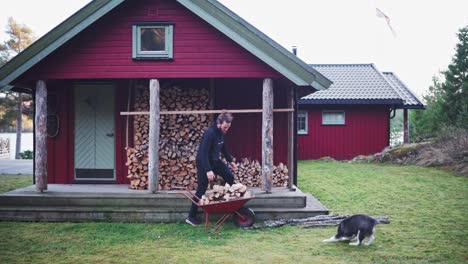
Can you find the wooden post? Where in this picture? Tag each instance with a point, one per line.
(267, 136)
(291, 135)
(405, 128)
(19, 125)
(41, 137)
(154, 129)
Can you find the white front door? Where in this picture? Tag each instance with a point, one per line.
(94, 132)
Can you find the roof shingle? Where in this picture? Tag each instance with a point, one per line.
(361, 84)
(409, 98)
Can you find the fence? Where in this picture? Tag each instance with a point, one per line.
(4, 148)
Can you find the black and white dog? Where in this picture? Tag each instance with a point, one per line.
(355, 227)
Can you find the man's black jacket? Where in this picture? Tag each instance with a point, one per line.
(211, 146)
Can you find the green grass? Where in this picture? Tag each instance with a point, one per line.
(9, 182)
(427, 209)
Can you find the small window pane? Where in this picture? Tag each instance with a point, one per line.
(333, 118)
(302, 122)
(153, 39)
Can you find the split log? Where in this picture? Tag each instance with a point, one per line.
(225, 193)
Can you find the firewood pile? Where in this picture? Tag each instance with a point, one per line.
(225, 193)
(180, 136)
(249, 172)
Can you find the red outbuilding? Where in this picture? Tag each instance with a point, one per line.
(352, 117)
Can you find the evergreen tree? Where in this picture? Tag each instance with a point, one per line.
(455, 88)
(447, 100)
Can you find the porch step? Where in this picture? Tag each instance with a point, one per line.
(118, 204)
(28, 197)
(147, 214)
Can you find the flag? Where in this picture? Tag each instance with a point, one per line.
(379, 13)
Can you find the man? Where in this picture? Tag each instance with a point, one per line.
(209, 162)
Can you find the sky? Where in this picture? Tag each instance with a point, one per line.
(324, 31)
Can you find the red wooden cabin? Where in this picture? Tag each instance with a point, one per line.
(352, 117)
(91, 58)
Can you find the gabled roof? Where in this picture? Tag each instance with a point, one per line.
(409, 98)
(211, 11)
(360, 84)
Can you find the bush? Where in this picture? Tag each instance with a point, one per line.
(27, 154)
(454, 142)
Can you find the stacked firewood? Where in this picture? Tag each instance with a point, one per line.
(250, 172)
(225, 193)
(137, 163)
(180, 136)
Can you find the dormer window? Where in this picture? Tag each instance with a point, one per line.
(153, 41)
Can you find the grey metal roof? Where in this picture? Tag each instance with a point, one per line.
(360, 84)
(409, 98)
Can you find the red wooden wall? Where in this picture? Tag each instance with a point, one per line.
(366, 132)
(244, 138)
(105, 49)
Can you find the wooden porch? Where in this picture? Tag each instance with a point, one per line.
(118, 203)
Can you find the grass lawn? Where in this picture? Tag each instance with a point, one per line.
(10, 182)
(427, 208)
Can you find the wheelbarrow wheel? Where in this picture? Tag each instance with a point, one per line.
(244, 218)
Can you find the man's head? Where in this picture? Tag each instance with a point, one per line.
(224, 121)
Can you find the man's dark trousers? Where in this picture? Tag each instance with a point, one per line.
(219, 168)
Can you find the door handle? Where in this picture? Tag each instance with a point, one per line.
(110, 134)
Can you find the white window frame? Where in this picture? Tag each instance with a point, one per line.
(166, 54)
(303, 113)
(325, 123)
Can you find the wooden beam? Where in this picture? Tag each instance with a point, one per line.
(267, 136)
(405, 127)
(41, 137)
(154, 129)
(194, 112)
(291, 165)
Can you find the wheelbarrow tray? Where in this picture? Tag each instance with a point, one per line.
(225, 207)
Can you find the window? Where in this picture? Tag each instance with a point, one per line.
(153, 41)
(336, 117)
(302, 122)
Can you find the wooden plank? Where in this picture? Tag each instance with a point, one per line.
(237, 111)
(41, 137)
(291, 165)
(154, 129)
(267, 136)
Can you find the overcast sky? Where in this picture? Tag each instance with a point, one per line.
(325, 31)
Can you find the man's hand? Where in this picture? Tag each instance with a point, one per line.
(210, 175)
(233, 166)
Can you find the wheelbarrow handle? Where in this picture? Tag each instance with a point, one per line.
(186, 195)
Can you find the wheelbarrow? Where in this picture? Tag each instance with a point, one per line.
(242, 216)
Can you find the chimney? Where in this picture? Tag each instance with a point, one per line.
(294, 50)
